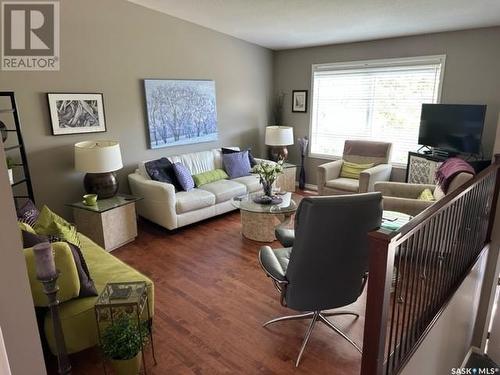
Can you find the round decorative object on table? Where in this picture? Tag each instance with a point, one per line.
(3, 131)
(266, 199)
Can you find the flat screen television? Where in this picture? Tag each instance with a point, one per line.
(452, 127)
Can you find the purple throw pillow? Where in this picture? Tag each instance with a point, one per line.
(183, 177)
(251, 159)
(28, 213)
(237, 164)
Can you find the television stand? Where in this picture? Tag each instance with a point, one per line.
(422, 167)
(440, 153)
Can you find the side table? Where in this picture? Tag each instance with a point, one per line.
(107, 309)
(111, 223)
(286, 181)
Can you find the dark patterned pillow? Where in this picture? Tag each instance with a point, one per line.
(87, 287)
(251, 158)
(184, 177)
(237, 164)
(162, 170)
(28, 213)
(32, 239)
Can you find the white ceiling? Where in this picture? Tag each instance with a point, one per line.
(282, 24)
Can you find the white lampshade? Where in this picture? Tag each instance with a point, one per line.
(98, 156)
(279, 135)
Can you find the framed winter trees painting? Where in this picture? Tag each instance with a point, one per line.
(180, 112)
(76, 113)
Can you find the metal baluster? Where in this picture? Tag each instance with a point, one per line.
(420, 267)
(446, 258)
(437, 231)
(410, 297)
(456, 253)
(429, 246)
(395, 305)
(439, 259)
(398, 344)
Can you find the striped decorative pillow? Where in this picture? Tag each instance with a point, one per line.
(28, 213)
(353, 170)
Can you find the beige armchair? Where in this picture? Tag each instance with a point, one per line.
(402, 197)
(360, 152)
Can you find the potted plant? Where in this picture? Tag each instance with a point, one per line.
(10, 164)
(268, 173)
(122, 342)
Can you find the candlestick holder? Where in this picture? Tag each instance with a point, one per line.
(50, 288)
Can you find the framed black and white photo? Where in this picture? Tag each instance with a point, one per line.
(76, 113)
(299, 101)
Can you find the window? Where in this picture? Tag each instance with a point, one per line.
(376, 100)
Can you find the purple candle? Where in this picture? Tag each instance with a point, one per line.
(44, 261)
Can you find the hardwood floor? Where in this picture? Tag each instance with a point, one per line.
(211, 298)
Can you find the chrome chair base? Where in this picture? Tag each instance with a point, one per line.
(315, 316)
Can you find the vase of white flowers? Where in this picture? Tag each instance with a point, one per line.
(268, 172)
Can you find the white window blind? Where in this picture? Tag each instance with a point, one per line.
(372, 100)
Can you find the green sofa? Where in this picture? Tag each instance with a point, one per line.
(77, 315)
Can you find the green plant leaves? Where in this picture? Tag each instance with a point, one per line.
(124, 338)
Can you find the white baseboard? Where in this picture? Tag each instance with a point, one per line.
(473, 349)
(308, 186)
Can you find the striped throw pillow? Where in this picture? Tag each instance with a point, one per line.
(352, 170)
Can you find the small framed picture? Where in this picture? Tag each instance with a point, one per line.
(299, 101)
(76, 113)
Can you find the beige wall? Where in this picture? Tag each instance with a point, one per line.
(110, 47)
(17, 314)
(471, 74)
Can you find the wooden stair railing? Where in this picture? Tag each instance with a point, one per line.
(414, 272)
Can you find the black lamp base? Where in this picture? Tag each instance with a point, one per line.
(277, 153)
(105, 185)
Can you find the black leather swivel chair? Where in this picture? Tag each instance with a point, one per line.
(285, 236)
(327, 267)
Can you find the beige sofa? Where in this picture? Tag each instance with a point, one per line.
(402, 197)
(359, 152)
(171, 209)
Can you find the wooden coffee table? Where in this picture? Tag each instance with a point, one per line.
(258, 221)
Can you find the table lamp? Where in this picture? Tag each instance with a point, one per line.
(99, 160)
(278, 137)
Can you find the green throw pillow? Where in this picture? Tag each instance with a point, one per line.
(210, 176)
(68, 281)
(426, 195)
(353, 170)
(50, 224)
